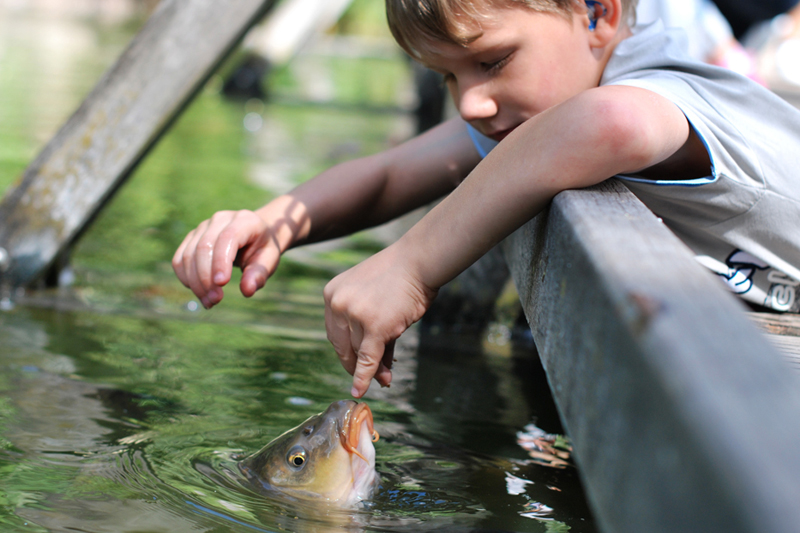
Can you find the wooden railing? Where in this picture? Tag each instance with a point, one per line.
(128, 110)
(682, 416)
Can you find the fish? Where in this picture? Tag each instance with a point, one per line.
(328, 458)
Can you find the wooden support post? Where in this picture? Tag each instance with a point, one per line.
(128, 110)
(292, 25)
(682, 416)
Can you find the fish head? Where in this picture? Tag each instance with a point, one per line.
(330, 457)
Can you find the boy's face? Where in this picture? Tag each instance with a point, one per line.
(523, 63)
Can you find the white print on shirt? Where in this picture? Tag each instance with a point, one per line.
(741, 267)
(782, 292)
(755, 281)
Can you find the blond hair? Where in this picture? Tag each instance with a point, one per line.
(418, 23)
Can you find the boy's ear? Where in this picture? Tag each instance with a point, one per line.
(602, 18)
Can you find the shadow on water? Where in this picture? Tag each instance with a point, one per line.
(123, 407)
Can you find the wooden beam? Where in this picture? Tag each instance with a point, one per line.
(783, 332)
(128, 110)
(682, 415)
(292, 25)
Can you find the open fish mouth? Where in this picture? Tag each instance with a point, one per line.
(353, 424)
(330, 456)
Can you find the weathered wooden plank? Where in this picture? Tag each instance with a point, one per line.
(783, 332)
(778, 324)
(788, 346)
(292, 25)
(682, 416)
(129, 108)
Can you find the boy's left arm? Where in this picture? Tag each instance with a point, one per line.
(595, 135)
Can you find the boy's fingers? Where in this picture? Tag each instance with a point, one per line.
(235, 235)
(226, 245)
(244, 233)
(184, 257)
(388, 354)
(257, 269)
(339, 336)
(370, 353)
(177, 260)
(206, 258)
(384, 375)
(190, 266)
(254, 276)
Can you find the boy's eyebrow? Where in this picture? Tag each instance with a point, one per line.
(469, 39)
(459, 40)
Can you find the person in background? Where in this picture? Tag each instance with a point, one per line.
(708, 33)
(734, 33)
(744, 15)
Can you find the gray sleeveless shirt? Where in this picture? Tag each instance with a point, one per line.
(743, 219)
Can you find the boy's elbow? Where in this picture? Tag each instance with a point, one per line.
(625, 132)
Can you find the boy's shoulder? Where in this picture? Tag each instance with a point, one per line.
(656, 58)
(651, 50)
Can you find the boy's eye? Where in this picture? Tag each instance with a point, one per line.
(494, 66)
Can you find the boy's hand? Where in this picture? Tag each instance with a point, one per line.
(205, 258)
(366, 309)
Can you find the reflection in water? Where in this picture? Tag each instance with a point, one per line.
(546, 448)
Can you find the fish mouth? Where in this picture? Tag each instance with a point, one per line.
(350, 431)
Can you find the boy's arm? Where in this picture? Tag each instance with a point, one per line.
(341, 200)
(381, 187)
(597, 134)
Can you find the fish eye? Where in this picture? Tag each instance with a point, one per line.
(296, 457)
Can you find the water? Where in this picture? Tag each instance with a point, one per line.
(123, 406)
(113, 422)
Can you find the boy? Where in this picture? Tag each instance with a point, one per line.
(570, 96)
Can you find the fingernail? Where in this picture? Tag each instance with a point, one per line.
(219, 277)
(205, 303)
(354, 392)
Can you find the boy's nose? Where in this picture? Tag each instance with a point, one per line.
(474, 103)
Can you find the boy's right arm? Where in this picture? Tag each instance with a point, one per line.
(346, 198)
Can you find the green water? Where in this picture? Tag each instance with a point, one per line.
(123, 407)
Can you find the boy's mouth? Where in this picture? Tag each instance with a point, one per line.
(500, 135)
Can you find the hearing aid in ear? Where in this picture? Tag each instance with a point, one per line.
(592, 6)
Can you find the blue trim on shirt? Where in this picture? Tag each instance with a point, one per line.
(696, 182)
(483, 144)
